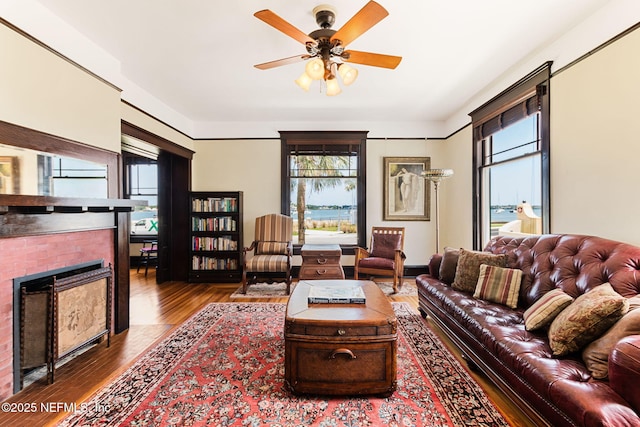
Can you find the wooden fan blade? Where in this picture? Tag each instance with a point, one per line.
(367, 17)
(281, 62)
(281, 25)
(373, 59)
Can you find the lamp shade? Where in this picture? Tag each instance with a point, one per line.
(437, 175)
(315, 69)
(304, 81)
(348, 73)
(333, 88)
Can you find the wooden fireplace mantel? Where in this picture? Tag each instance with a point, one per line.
(46, 204)
(22, 215)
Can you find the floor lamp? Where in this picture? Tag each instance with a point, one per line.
(435, 176)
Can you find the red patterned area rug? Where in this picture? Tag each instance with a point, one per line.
(224, 367)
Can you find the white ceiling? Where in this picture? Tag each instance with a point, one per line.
(190, 62)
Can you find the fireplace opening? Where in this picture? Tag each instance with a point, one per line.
(58, 313)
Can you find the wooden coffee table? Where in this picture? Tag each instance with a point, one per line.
(340, 349)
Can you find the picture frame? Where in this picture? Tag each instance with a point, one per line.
(9, 175)
(406, 194)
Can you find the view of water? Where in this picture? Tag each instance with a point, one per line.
(328, 214)
(508, 214)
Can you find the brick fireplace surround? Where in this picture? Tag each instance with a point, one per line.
(23, 256)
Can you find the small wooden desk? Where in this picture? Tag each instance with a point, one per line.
(340, 349)
(321, 262)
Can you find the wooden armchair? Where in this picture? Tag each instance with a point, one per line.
(273, 251)
(385, 256)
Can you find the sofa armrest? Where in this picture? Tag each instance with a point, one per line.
(434, 265)
(624, 370)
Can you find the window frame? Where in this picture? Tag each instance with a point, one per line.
(327, 141)
(515, 103)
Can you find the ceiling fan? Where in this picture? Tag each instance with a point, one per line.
(326, 47)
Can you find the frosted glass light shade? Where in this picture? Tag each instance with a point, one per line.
(437, 175)
(304, 81)
(348, 73)
(333, 88)
(315, 69)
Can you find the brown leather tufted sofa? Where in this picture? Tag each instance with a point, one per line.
(557, 391)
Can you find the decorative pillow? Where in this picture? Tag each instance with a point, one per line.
(586, 319)
(596, 354)
(634, 302)
(499, 285)
(468, 269)
(545, 309)
(448, 265)
(273, 248)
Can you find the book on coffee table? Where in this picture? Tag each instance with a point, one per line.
(319, 294)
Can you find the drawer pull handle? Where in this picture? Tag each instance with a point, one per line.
(322, 261)
(341, 332)
(321, 271)
(345, 351)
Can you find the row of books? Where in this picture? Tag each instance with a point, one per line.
(215, 204)
(223, 223)
(208, 263)
(222, 243)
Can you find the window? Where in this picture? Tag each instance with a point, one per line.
(511, 161)
(141, 183)
(68, 177)
(324, 186)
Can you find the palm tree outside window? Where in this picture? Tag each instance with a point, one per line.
(323, 187)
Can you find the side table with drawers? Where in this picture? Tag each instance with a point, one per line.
(321, 262)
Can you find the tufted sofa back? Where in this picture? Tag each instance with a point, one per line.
(573, 263)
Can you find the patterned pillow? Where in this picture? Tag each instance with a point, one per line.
(596, 354)
(448, 265)
(499, 285)
(586, 319)
(468, 269)
(545, 309)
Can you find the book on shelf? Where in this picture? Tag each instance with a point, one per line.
(319, 294)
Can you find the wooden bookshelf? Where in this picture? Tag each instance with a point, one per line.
(215, 236)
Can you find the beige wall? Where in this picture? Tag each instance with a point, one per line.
(253, 166)
(44, 92)
(250, 166)
(144, 121)
(595, 144)
(456, 199)
(595, 149)
(420, 240)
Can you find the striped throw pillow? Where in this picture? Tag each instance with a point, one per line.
(499, 285)
(545, 309)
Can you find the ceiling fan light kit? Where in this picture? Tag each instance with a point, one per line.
(326, 47)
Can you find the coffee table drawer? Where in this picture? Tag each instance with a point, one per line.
(341, 331)
(338, 368)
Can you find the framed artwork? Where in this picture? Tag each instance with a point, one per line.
(9, 175)
(406, 193)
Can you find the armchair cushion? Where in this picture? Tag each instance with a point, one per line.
(274, 248)
(378, 263)
(273, 263)
(385, 245)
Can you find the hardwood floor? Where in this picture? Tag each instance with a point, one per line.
(155, 310)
